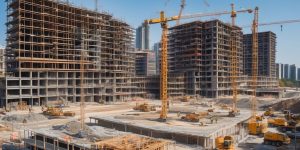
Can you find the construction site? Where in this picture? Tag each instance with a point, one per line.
(73, 80)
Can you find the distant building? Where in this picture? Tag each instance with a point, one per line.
(157, 49)
(293, 72)
(145, 63)
(266, 54)
(2, 60)
(298, 75)
(142, 37)
(286, 71)
(282, 71)
(278, 71)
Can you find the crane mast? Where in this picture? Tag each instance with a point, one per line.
(254, 60)
(181, 10)
(233, 60)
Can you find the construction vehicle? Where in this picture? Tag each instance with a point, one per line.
(163, 21)
(185, 98)
(57, 111)
(53, 111)
(145, 107)
(276, 139)
(277, 122)
(269, 112)
(194, 117)
(224, 143)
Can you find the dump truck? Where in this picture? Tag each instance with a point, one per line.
(224, 143)
(257, 127)
(277, 122)
(276, 139)
(145, 107)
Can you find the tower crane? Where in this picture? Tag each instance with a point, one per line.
(275, 22)
(182, 5)
(254, 61)
(163, 21)
(233, 65)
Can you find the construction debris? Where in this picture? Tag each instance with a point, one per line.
(132, 142)
(20, 118)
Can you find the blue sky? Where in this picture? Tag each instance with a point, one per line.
(135, 11)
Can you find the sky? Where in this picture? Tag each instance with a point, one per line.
(134, 12)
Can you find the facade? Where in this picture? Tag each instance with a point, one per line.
(293, 72)
(157, 49)
(201, 50)
(142, 37)
(266, 54)
(145, 63)
(50, 43)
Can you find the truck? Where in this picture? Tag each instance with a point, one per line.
(277, 122)
(224, 143)
(276, 139)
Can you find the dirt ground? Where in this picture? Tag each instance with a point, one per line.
(13, 124)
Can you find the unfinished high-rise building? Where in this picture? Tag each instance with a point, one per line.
(266, 54)
(202, 51)
(50, 42)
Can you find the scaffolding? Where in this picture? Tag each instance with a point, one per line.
(45, 42)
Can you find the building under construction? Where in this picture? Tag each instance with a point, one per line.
(50, 42)
(266, 54)
(202, 51)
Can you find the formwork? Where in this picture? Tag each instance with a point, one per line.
(45, 43)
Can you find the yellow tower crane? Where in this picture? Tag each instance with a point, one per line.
(163, 21)
(254, 61)
(233, 64)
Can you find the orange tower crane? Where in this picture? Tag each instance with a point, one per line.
(163, 21)
(254, 61)
(233, 62)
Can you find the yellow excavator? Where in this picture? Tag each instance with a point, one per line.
(57, 111)
(145, 107)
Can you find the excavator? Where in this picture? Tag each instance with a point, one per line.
(145, 107)
(224, 143)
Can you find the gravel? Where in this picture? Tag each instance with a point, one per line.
(21, 118)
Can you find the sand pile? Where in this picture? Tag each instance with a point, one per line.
(242, 103)
(22, 118)
(92, 133)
